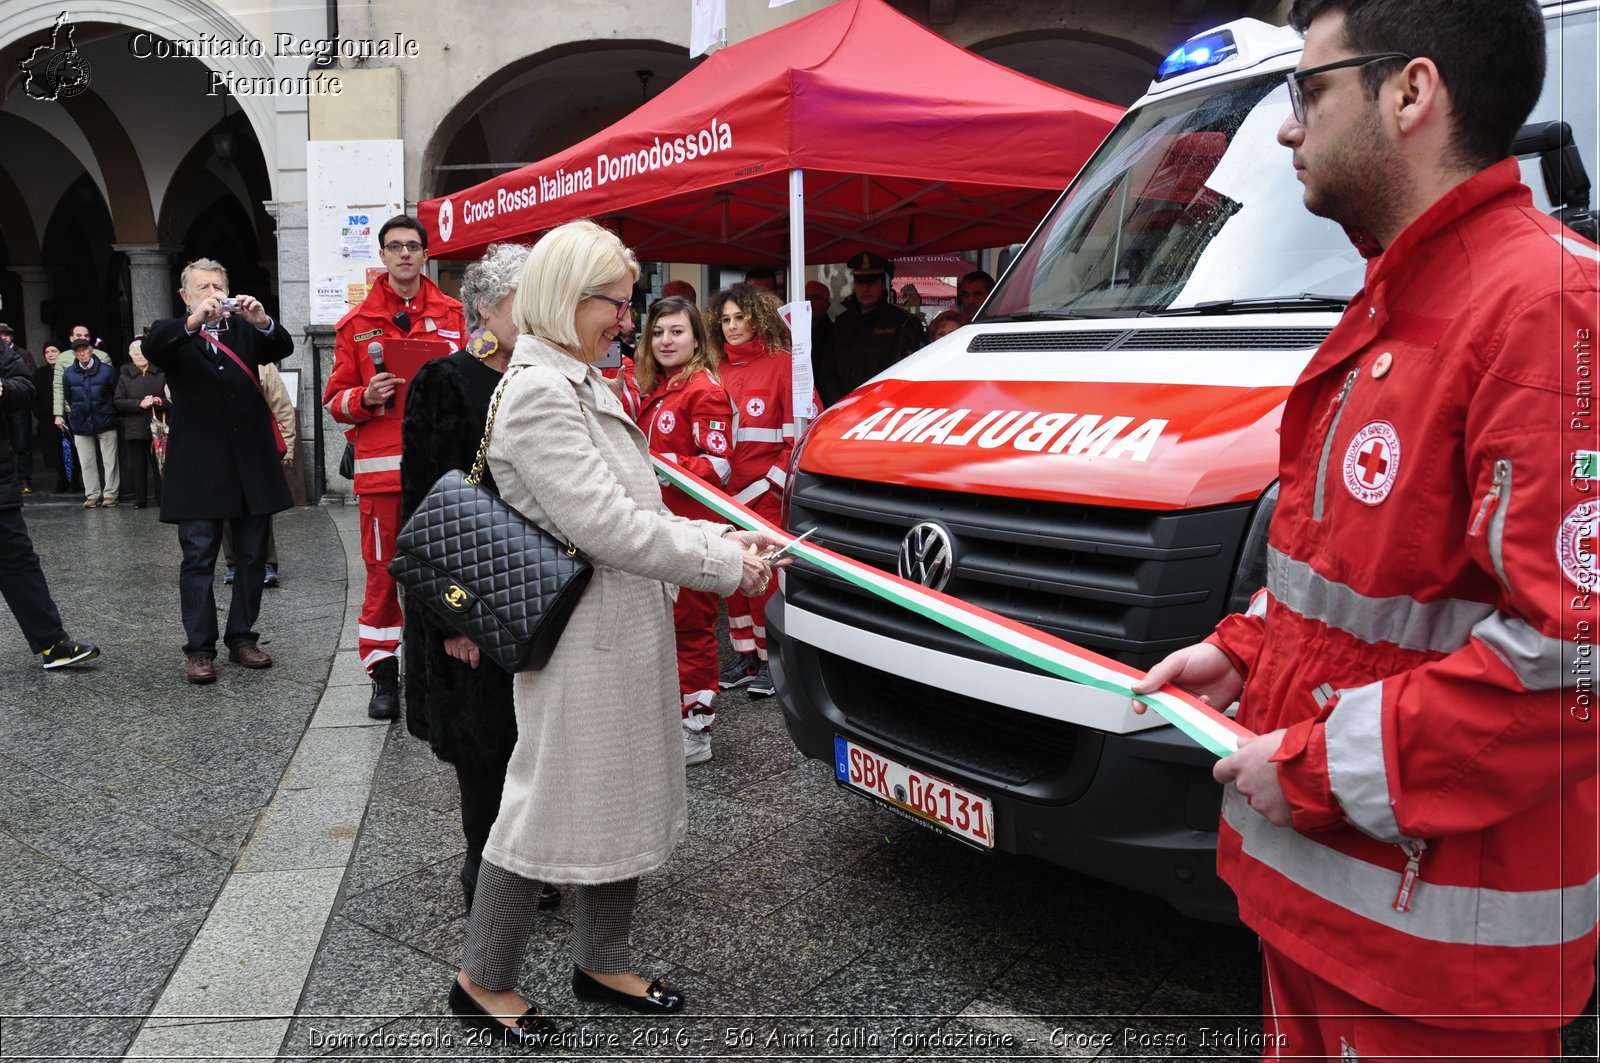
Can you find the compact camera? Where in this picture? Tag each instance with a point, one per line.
(230, 305)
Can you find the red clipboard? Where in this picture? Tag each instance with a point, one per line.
(404, 357)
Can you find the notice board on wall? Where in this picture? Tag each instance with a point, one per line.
(352, 188)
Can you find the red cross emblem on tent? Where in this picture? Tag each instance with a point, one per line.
(1371, 462)
(1576, 544)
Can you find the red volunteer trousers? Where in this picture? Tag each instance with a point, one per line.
(747, 617)
(695, 619)
(1306, 1018)
(379, 631)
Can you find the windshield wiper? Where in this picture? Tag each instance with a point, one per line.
(1044, 315)
(1263, 305)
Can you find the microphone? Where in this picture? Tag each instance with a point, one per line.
(375, 352)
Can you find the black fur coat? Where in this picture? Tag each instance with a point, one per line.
(465, 714)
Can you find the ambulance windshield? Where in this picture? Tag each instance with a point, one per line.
(1190, 201)
(1191, 205)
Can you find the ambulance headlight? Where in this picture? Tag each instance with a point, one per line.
(1251, 573)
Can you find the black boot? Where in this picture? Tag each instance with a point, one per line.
(385, 703)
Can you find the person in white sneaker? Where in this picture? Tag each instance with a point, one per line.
(22, 581)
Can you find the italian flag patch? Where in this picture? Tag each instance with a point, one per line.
(1586, 465)
(718, 426)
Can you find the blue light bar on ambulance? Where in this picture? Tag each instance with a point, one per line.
(1198, 53)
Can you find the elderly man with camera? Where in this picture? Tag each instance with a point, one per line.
(223, 456)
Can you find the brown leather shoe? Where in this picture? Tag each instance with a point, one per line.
(201, 669)
(250, 655)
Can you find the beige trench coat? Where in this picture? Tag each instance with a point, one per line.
(595, 788)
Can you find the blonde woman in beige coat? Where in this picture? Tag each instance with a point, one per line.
(594, 793)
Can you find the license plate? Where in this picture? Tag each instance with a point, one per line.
(929, 798)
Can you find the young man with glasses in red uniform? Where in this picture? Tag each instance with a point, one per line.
(403, 304)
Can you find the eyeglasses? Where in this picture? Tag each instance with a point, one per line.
(394, 247)
(622, 305)
(1297, 99)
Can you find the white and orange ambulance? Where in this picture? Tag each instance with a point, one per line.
(1095, 456)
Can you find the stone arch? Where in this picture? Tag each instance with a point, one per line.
(461, 134)
(127, 194)
(1094, 64)
(24, 25)
(191, 186)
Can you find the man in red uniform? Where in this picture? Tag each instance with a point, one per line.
(1413, 833)
(403, 303)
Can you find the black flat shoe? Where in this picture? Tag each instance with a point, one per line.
(659, 999)
(533, 1030)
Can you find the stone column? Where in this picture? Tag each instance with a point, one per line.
(154, 293)
(35, 290)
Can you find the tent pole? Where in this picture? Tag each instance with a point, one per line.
(797, 235)
(797, 258)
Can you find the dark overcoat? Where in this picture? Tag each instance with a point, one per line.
(222, 462)
(465, 713)
(16, 393)
(133, 384)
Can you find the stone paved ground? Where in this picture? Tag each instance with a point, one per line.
(126, 793)
(801, 921)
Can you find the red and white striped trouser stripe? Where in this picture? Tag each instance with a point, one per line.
(379, 630)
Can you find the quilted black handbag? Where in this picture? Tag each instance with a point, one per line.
(492, 574)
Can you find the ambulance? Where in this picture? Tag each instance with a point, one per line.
(1095, 456)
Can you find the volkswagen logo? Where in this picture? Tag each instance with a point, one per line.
(927, 556)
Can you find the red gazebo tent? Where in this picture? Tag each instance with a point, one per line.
(874, 130)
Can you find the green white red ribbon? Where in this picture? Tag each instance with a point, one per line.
(1206, 726)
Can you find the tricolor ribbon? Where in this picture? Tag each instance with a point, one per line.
(1205, 725)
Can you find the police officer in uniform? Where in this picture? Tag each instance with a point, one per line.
(869, 336)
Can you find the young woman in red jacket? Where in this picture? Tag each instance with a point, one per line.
(753, 358)
(686, 415)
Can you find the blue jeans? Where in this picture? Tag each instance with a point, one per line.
(200, 540)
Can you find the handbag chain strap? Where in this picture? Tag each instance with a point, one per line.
(481, 461)
(475, 477)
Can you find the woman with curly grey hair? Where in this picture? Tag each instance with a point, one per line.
(457, 700)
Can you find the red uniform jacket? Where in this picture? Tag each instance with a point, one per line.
(1431, 564)
(760, 384)
(434, 315)
(690, 422)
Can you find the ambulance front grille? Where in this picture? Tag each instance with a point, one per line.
(1127, 583)
(1150, 339)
